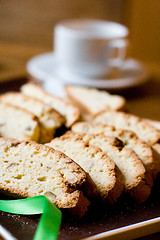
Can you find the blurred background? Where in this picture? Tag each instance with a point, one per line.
(26, 28)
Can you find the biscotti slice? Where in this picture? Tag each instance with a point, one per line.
(135, 180)
(127, 121)
(103, 172)
(156, 147)
(142, 128)
(66, 109)
(154, 123)
(91, 101)
(30, 169)
(18, 123)
(49, 119)
(142, 149)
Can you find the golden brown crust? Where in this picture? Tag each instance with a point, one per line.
(111, 191)
(115, 151)
(81, 207)
(154, 123)
(50, 109)
(157, 147)
(127, 121)
(8, 112)
(141, 192)
(71, 195)
(77, 205)
(33, 116)
(85, 110)
(71, 118)
(81, 175)
(49, 119)
(156, 152)
(129, 139)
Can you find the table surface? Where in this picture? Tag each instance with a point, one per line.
(143, 101)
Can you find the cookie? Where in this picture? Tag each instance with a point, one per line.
(18, 123)
(130, 140)
(29, 169)
(92, 101)
(103, 172)
(65, 108)
(127, 121)
(49, 119)
(136, 182)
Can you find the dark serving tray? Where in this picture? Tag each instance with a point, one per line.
(101, 220)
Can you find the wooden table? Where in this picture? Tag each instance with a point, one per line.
(143, 101)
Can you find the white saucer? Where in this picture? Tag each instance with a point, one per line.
(45, 68)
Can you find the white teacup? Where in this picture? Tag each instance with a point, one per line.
(86, 47)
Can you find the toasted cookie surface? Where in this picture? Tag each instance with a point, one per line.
(65, 108)
(154, 123)
(93, 100)
(127, 121)
(29, 169)
(134, 174)
(101, 169)
(49, 119)
(130, 140)
(18, 123)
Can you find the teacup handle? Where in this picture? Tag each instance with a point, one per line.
(120, 45)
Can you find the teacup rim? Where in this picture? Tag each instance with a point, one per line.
(63, 26)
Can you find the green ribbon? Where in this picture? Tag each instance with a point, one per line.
(50, 220)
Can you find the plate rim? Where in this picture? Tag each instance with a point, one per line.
(148, 226)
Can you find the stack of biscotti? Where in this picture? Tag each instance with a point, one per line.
(92, 101)
(146, 153)
(99, 159)
(144, 130)
(141, 127)
(136, 182)
(104, 175)
(64, 107)
(48, 119)
(29, 169)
